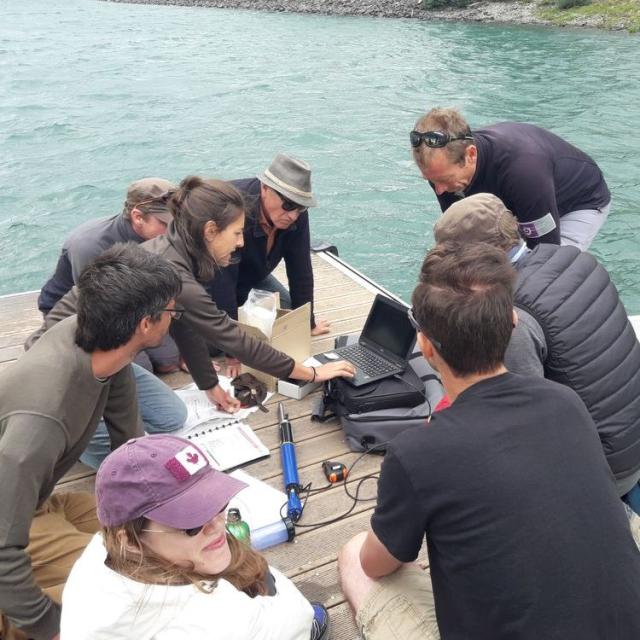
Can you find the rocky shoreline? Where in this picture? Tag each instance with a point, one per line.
(486, 12)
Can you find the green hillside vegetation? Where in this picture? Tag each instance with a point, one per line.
(604, 14)
(611, 14)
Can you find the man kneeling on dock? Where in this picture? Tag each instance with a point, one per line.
(50, 403)
(525, 532)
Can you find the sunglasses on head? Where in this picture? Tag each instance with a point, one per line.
(417, 327)
(162, 198)
(435, 139)
(290, 205)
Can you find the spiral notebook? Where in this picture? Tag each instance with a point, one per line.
(228, 444)
(200, 409)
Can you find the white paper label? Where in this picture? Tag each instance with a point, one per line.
(537, 228)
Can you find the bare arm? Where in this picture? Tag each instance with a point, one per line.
(325, 372)
(376, 561)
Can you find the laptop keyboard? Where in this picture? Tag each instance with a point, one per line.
(367, 361)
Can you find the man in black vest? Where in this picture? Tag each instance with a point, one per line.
(556, 191)
(573, 327)
(525, 533)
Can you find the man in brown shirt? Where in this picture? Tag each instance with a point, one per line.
(50, 403)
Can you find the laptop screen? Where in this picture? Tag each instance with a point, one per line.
(388, 327)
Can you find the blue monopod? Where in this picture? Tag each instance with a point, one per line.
(289, 466)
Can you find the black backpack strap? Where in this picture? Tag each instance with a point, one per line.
(321, 411)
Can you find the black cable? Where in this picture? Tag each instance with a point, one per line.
(319, 490)
(317, 525)
(355, 498)
(422, 392)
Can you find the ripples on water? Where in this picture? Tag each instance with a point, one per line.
(96, 95)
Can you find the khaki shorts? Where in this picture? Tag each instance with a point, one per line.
(60, 530)
(400, 607)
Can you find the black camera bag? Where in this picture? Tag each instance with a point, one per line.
(373, 414)
(403, 390)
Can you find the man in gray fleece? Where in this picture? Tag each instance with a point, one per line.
(50, 402)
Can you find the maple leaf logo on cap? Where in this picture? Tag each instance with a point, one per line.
(186, 463)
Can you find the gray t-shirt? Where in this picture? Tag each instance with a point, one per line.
(527, 348)
(83, 246)
(50, 404)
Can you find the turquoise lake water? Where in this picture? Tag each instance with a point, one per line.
(95, 95)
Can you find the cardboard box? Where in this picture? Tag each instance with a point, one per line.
(297, 389)
(291, 334)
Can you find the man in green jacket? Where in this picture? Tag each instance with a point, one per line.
(50, 403)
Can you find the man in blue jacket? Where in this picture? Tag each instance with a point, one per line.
(277, 228)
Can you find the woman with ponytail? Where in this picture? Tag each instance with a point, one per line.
(164, 567)
(207, 228)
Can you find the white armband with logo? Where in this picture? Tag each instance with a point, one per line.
(538, 228)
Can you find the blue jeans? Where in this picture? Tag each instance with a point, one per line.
(633, 498)
(271, 283)
(161, 409)
(165, 355)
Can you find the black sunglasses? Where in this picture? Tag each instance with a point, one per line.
(290, 205)
(417, 327)
(435, 139)
(193, 531)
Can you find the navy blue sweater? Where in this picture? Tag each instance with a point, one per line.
(536, 174)
(231, 286)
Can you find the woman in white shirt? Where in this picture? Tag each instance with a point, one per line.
(164, 567)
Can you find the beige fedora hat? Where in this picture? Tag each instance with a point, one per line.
(291, 178)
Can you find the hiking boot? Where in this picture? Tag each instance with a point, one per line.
(320, 627)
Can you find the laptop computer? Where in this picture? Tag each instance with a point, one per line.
(383, 346)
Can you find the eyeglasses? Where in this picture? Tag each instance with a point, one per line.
(290, 205)
(417, 327)
(435, 139)
(176, 312)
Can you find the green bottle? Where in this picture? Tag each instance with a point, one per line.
(237, 527)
